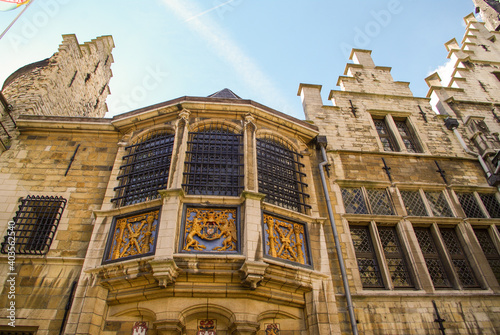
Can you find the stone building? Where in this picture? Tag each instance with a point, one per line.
(219, 215)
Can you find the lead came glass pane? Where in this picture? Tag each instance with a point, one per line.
(407, 137)
(470, 205)
(413, 203)
(367, 262)
(438, 204)
(384, 135)
(395, 260)
(491, 203)
(353, 201)
(379, 201)
(460, 263)
(490, 251)
(432, 259)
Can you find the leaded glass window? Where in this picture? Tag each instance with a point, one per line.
(413, 203)
(491, 203)
(438, 204)
(32, 230)
(432, 258)
(358, 200)
(458, 258)
(366, 258)
(379, 202)
(469, 205)
(385, 135)
(490, 251)
(281, 176)
(407, 136)
(394, 257)
(145, 169)
(354, 201)
(214, 162)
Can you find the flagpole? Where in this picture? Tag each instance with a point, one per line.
(17, 17)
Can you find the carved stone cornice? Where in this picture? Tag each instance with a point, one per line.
(165, 271)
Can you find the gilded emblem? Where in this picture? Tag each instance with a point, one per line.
(272, 329)
(210, 229)
(134, 235)
(285, 239)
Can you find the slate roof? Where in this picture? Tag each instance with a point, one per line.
(224, 94)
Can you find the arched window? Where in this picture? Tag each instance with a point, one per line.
(145, 169)
(214, 161)
(280, 175)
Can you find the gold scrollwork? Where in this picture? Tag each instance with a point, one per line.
(133, 235)
(209, 224)
(285, 239)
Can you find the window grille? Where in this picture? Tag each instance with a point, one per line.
(280, 175)
(413, 203)
(491, 203)
(432, 258)
(214, 162)
(365, 255)
(397, 265)
(458, 258)
(354, 201)
(379, 202)
(438, 204)
(375, 201)
(490, 251)
(470, 206)
(145, 169)
(407, 136)
(384, 134)
(35, 225)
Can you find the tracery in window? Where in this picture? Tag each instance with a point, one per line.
(145, 169)
(280, 174)
(214, 161)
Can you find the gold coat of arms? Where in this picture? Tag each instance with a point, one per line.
(210, 230)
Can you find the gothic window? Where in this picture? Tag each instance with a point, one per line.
(32, 230)
(281, 176)
(458, 258)
(385, 135)
(490, 251)
(145, 169)
(214, 161)
(432, 258)
(369, 269)
(407, 136)
(362, 200)
(132, 235)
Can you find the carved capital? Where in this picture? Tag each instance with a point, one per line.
(244, 328)
(165, 271)
(252, 273)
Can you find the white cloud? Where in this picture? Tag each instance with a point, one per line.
(229, 51)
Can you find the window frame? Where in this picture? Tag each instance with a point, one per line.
(394, 136)
(428, 204)
(367, 200)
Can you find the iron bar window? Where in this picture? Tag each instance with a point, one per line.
(145, 169)
(280, 175)
(214, 162)
(35, 225)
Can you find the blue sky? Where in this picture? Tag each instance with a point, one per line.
(262, 50)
